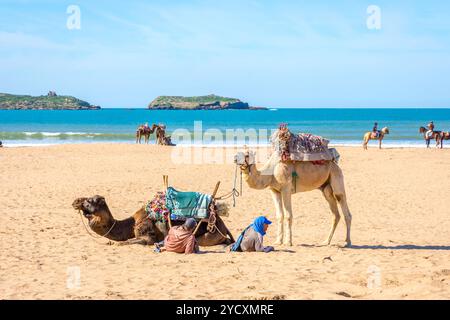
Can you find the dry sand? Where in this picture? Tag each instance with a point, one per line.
(399, 199)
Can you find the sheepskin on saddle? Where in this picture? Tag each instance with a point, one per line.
(302, 146)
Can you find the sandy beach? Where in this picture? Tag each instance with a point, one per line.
(398, 197)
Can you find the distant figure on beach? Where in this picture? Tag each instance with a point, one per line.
(145, 131)
(375, 134)
(429, 133)
(180, 239)
(1, 145)
(251, 239)
(375, 131)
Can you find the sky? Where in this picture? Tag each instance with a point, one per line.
(268, 53)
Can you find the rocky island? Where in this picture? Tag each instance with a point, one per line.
(49, 102)
(209, 102)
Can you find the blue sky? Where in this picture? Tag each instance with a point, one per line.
(268, 53)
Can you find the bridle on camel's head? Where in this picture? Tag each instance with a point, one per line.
(246, 164)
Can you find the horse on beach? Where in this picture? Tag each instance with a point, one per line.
(438, 136)
(369, 136)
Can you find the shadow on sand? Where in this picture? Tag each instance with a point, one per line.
(401, 247)
(382, 247)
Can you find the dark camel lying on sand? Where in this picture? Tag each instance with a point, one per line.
(139, 228)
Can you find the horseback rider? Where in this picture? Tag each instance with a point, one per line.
(375, 131)
(429, 133)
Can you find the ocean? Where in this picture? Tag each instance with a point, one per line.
(340, 126)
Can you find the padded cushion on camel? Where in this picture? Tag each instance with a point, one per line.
(303, 147)
(183, 205)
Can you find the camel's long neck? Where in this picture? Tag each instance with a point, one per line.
(116, 230)
(255, 179)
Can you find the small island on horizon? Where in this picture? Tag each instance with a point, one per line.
(209, 102)
(51, 101)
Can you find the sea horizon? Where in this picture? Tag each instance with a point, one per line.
(341, 126)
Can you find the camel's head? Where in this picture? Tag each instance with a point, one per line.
(245, 159)
(92, 207)
(385, 130)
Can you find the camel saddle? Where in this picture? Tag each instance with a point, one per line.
(179, 205)
(183, 205)
(301, 147)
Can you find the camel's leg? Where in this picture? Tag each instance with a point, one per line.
(287, 209)
(276, 196)
(337, 184)
(329, 196)
(379, 145)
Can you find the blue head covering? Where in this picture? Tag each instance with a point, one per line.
(259, 223)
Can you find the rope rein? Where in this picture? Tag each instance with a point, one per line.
(234, 192)
(92, 235)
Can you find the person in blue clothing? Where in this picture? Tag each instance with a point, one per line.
(251, 239)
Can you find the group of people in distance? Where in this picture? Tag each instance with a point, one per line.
(180, 239)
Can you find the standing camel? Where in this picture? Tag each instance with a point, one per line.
(369, 136)
(439, 136)
(144, 131)
(278, 177)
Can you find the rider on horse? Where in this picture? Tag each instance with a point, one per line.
(429, 133)
(375, 131)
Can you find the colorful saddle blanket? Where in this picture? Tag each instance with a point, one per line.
(300, 147)
(183, 205)
(156, 208)
(179, 205)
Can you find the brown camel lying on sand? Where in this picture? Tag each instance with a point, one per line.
(139, 229)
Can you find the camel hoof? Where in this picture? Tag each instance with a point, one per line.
(278, 243)
(348, 244)
(326, 243)
(288, 244)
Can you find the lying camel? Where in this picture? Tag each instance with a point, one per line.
(369, 136)
(139, 229)
(278, 177)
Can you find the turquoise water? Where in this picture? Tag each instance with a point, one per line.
(340, 126)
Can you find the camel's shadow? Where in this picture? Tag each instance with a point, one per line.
(401, 247)
(383, 247)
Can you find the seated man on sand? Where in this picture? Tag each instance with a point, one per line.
(251, 239)
(180, 239)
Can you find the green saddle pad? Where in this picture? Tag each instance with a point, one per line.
(183, 205)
